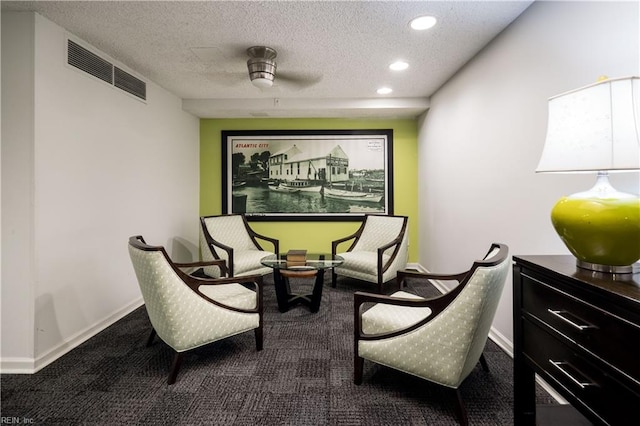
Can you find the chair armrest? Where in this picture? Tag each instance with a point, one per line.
(256, 280)
(359, 298)
(218, 262)
(396, 242)
(390, 244)
(274, 241)
(437, 304)
(336, 243)
(355, 236)
(222, 246)
(405, 273)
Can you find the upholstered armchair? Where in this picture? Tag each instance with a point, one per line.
(230, 238)
(188, 312)
(378, 250)
(440, 339)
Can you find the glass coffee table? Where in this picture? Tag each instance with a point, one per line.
(313, 265)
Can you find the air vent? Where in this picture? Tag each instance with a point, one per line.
(89, 62)
(125, 81)
(81, 58)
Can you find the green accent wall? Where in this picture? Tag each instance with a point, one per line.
(314, 236)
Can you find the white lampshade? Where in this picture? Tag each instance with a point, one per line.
(594, 128)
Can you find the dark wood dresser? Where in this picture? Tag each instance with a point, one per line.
(580, 332)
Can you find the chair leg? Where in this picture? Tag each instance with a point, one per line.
(259, 338)
(461, 410)
(333, 279)
(358, 364)
(483, 362)
(151, 337)
(175, 366)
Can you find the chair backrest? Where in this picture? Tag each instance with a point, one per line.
(477, 303)
(170, 303)
(229, 230)
(379, 230)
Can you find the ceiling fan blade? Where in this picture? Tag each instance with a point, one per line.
(220, 54)
(299, 80)
(227, 78)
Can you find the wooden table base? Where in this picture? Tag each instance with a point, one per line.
(287, 299)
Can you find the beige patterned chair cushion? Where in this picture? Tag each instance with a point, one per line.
(247, 262)
(384, 318)
(362, 262)
(230, 231)
(181, 318)
(447, 348)
(234, 295)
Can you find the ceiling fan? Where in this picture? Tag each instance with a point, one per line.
(261, 66)
(262, 70)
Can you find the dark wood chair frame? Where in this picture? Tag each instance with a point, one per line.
(212, 243)
(194, 283)
(382, 267)
(437, 305)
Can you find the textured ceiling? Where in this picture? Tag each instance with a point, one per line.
(196, 50)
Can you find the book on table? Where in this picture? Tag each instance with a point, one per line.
(296, 257)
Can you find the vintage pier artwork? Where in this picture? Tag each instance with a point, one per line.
(311, 176)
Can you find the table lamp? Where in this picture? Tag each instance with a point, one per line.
(597, 129)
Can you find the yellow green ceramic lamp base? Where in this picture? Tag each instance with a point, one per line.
(600, 231)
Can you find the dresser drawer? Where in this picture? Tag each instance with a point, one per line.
(601, 333)
(595, 390)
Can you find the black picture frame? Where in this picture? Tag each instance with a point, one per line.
(308, 175)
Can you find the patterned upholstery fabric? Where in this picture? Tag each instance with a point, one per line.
(362, 262)
(378, 232)
(234, 295)
(181, 318)
(230, 231)
(383, 318)
(447, 348)
(207, 256)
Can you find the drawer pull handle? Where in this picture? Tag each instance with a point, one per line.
(558, 314)
(559, 365)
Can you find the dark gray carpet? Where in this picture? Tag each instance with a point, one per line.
(302, 377)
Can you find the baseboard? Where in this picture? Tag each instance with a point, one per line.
(503, 343)
(15, 365)
(30, 366)
(498, 338)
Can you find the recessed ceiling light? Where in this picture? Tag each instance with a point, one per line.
(384, 91)
(423, 22)
(399, 66)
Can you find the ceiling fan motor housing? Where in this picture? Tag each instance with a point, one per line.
(261, 65)
(261, 68)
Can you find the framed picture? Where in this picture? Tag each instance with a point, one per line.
(307, 174)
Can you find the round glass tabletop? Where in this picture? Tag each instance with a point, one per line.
(312, 261)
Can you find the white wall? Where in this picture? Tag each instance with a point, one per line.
(481, 140)
(17, 188)
(105, 166)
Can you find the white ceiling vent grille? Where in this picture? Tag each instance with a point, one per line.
(89, 62)
(125, 81)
